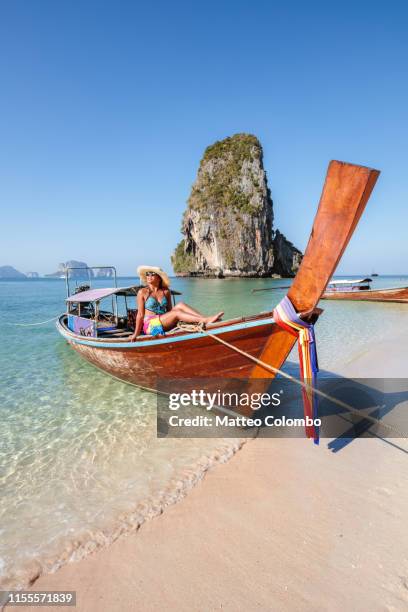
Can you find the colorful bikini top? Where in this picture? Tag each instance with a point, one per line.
(155, 306)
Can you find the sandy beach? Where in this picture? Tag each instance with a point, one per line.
(283, 525)
(197, 198)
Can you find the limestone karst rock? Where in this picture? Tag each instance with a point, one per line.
(81, 271)
(76, 273)
(228, 224)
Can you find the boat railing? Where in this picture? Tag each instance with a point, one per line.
(90, 277)
(84, 307)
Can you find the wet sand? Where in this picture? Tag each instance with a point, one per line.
(284, 525)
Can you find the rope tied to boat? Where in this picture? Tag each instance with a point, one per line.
(191, 327)
(270, 368)
(286, 317)
(34, 324)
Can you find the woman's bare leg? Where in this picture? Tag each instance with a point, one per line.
(215, 317)
(171, 318)
(186, 308)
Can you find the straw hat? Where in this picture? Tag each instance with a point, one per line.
(142, 273)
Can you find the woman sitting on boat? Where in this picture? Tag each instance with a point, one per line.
(155, 314)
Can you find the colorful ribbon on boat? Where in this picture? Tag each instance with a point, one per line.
(286, 317)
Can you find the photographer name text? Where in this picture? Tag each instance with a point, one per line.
(240, 421)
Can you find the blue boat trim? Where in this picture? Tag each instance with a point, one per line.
(166, 339)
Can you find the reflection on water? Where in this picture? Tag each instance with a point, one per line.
(79, 457)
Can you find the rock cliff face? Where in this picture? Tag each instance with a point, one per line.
(287, 256)
(228, 224)
(72, 263)
(104, 273)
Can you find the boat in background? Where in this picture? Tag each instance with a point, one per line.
(190, 354)
(345, 286)
(360, 289)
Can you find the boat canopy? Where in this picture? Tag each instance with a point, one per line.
(95, 295)
(350, 282)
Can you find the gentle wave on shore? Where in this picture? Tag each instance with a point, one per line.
(80, 463)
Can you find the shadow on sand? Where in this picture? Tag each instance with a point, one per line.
(374, 397)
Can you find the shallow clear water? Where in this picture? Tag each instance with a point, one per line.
(79, 457)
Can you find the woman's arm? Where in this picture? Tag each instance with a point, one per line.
(139, 316)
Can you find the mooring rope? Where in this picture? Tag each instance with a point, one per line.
(304, 385)
(34, 324)
(201, 329)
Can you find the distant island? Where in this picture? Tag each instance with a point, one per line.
(81, 271)
(228, 224)
(10, 272)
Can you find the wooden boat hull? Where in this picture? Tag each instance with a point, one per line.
(397, 294)
(184, 355)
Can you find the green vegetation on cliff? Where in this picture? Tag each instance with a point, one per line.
(220, 173)
(239, 146)
(182, 261)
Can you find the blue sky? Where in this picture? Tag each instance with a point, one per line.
(107, 107)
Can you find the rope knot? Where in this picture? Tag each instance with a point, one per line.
(288, 319)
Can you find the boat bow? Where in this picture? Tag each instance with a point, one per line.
(346, 191)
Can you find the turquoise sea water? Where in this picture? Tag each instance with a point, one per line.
(79, 458)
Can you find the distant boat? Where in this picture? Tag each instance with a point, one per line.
(360, 290)
(346, 286)
(226, 349)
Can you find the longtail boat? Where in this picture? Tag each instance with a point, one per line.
(361, 290)
(102, 337)
(344, 285)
